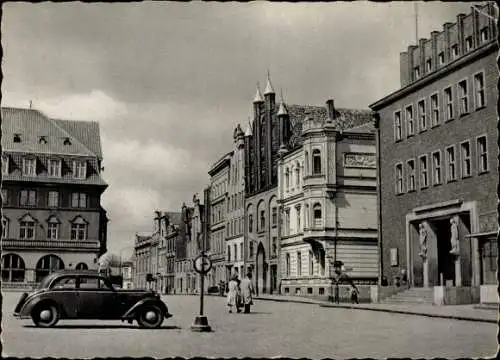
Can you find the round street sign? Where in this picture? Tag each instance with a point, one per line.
(202, 264)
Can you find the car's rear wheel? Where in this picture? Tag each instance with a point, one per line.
(150, 317)
(45, 315)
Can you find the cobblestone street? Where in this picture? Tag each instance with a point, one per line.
(273, 329)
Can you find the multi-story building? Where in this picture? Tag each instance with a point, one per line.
(235, 207)
(143, 260)
(127, 274)
(168, 224)
(438, 150)
(182, 262)
(327, 198)
(219, 179)
(52, 216)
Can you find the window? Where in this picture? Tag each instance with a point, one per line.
(299, 264)
(5, 196)
(235, 247)
(479, 90)
(454, 51)
(465, 157)
(451, 172)
(262, 220)
(409, 120)
(17, 138)
(424, 175)
(434, 109)
(297, 210)
(13, 268)
(436, 167)
(441, 58)
(297, 175)
(484, 34)
(316, 162)
(250, 250)
(317, 215)
(275, 216)
(448, 98)
(411, 175)
(463, 97)
(29, 167)
(428, 65)
(311, 263)
(79, 200)
(229, 253)
(274, 245)
(287, 265)
(78, 229)
(80, 169)
(28, 198)
(398, 134)
(399, 178)
(48, 264)
(422, 115)
(306, 163)
(53, 229)
(482, 154)
(53, 200)
(468, 43)
(54, 168)
(5, 164)
(250, 223)
(416, 72)
(27, 229)
(5, 228)
(287, 222)
(287, 179)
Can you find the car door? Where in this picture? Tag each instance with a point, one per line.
(64, 292)
(94, 298)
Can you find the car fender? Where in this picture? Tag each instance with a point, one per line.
(32, 302)
(133, 310)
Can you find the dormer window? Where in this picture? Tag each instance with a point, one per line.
(79, 169)
(428, 65)
(468, 43)
(416, 71)
(67, 141)
(17, 138)
(454, 51)
(441, 58)
(484, 34)
(5, 164)
(29, 167)
(42, 140)
(54, 168)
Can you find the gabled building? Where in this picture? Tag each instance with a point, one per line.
(167, 231)
(52, 216)
(327, 198)
(438, 167)
(219, 206)
(182, 261)
(235, 207)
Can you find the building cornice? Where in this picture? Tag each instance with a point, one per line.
(445, 70)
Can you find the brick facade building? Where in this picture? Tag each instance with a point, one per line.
(52, 216)
(438, 173)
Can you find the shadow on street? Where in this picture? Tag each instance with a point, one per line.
(104, 326)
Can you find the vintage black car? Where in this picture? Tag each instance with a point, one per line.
(83, 294)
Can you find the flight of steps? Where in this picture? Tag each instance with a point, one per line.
(413, 296)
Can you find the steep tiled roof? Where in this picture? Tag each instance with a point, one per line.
(344, 119)
(32, 124)
(365, 128)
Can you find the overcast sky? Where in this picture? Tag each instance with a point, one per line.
(169, 81)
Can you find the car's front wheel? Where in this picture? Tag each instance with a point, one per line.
(45, 315)
(150, 317)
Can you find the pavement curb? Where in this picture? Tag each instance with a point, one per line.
(405, 312)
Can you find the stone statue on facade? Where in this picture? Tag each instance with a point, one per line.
(455, 248)
(423, 241)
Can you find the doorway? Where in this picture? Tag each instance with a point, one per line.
(446, 264)
(274, 278)
(260, 271)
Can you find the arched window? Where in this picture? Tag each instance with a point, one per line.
(81, 266)
(250, 223)
(287, 265)
(48, 264)
(317, 214)
(12, 268)
(316, 155)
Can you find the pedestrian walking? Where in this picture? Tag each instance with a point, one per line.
(247, 291)
(354, 294)
(232, 293)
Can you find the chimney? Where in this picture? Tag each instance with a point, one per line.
(331, 109)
